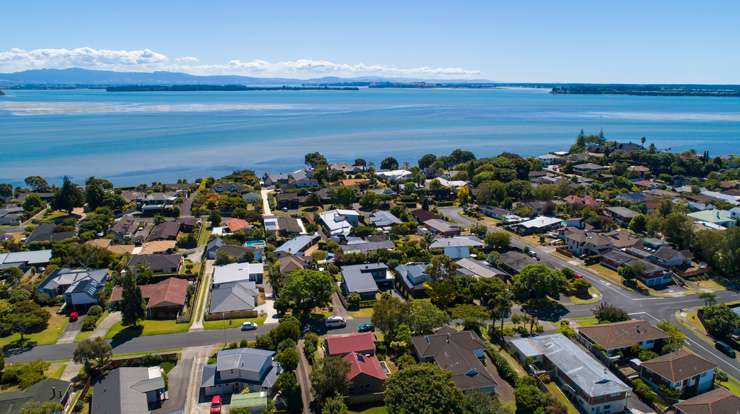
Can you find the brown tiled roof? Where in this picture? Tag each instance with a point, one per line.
(354, 181)
(678, 366)
(717, 401)
(158, 246)
(622, 334)
(171, 291)
(290, 263)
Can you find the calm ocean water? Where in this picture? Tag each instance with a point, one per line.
(140, 137)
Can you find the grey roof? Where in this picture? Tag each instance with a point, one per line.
(157, 263)
(478, 268)
(622, 212)
(382, 218)
(45, 233)
(572, 361)
(441, 225)
(367, 246)
(69, 277)
(413, 275)
(34, 257)
(233, 296)
(457, 241)
(123, 391)
(45, 390)
(357, 280)
(297, 244)
(247, 359)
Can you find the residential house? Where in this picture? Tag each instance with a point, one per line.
(358, 245)
(501, 214)
(652, 275)
(514, 261)
(669, 257)
(590, 384)
(167, 230)
(339, 222)
(156, 263)
(48, 233)
(233, 224)
(461, 353)
(47, 390)
(639, 170)
(287, 201)
(394, 176)
(11, 216)
(366, 375)
(383, 219)
(682, 371)
(354, 182)
(618, 337)
(239, 253)
(442, 228)
(129, 229)
(478, 269)
(228, 187)
(240, 368)
(25, 260)
(421, 215)
(80, 287)
(621, 215)
(291, 263)
(158, 246)
(253, 197)
(212, 248)
(287, 226)
(341, 345)
(297, 245)
(717, 401)
(540, 224)
(550, 159)
(588, 169)
(410, 279)
(157, 202)
(457, 247)
(366, 279)
(577, 201)
(276, 179)
(236, 272)
(129, 390)
(164, 300)
(581, 242)
(716, 217)
(233, 298)
(632, 197)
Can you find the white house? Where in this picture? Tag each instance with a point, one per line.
(339, 222)
(238, 272)
(457, 247)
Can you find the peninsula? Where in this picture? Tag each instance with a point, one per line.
(222, 88)
(649, 90)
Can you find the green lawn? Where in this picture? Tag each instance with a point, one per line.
(584, 320)
(232, 323)
(55, 370)
(732, 384)
(369, 410)
(595, 297)
(50, 335)
(558, 394)
(362, 313)
(145, 328)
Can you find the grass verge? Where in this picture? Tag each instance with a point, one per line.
(145, 328)
(57, 324)
(232, 323)
(558, 394)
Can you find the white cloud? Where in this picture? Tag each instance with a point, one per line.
(13, 60)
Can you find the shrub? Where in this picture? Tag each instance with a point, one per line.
(644, 391)
(95, 310)
(90, 323)
(505, 370)
(353, 301)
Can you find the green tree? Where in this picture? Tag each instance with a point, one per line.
(46, 407)
(678, 229)
(6, 190)
(287, 385)
(427, 161)
(94, 193)
(329, 378)
(215, 218)
(33, 203)
(473, 316)
(28, 317)
(288, 359)
(370, 200)
(133, 303)
(529, 398)
(314, 159)
(638, 224)
(498, 240)
(422, 388)
(477, 402)
(709, 298)
(344, 196)
(389, 163)
(68, 196)
(388, 313)
(305, 290)
(334, 405)
(441, 266)
(94, 353)
(720, 320)
(676, 338)
(424, 317)
(536, 282)
(37, 184)
(609, 313)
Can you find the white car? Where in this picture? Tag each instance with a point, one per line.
(335, 322)
(248, 326)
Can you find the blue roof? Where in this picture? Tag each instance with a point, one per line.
(297, 244)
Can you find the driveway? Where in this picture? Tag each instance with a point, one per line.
(266, 212)
(202, 298)
(268, 308)
(303, 374)
(69, 334)
(198, 358)
(178, 381)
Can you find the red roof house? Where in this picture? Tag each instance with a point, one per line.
(340, 345)
(236, 224)
(578, 201)
(164, 300)
(366, 375)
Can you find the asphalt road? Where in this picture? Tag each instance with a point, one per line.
(156, 343)
(654, 309)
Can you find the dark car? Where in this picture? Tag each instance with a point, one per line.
(725, 349)
(366, 327)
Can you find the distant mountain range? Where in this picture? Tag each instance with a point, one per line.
(77, 76)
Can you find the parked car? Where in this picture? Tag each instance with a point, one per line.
(725, 349)
(335, 322)
(248, 326)
(216, 404)
(73, 316)
(366, 327)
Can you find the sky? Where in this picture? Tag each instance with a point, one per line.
(626, 41)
